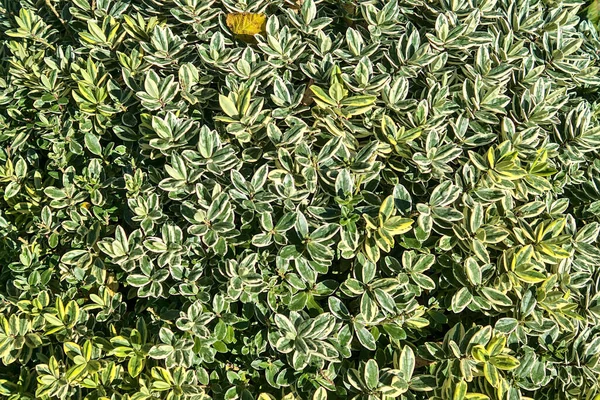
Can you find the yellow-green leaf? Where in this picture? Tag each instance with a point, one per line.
(397, 225)
(246, 25)
(228, 106)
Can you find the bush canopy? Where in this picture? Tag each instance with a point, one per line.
(299, 200)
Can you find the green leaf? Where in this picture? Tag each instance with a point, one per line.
(338, 308)
(161, 351)
(368, 308)
(491, 374)
(461, 300)
(407, 362)
(473, 271)
(358, 101)
(319, 252)
(423, 383)
(11, 190)
(371, 374)
(92, 143)
(135, 365)
(496, 297)
(366, 338)
(138, 280)
(320, 394)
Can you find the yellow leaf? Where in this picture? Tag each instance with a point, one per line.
(480, 353)
(397, 225)
(246, 25)
(112, 284)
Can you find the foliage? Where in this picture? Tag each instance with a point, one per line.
(285, 199)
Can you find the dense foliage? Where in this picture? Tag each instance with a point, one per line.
(299, 199)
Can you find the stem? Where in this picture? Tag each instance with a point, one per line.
(57, 15)
(44, 42)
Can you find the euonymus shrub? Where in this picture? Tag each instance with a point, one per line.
(272, 200)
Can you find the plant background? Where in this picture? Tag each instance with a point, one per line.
(313, 200)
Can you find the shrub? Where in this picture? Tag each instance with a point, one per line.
(299, 200)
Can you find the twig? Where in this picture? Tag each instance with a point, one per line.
(53, 9)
